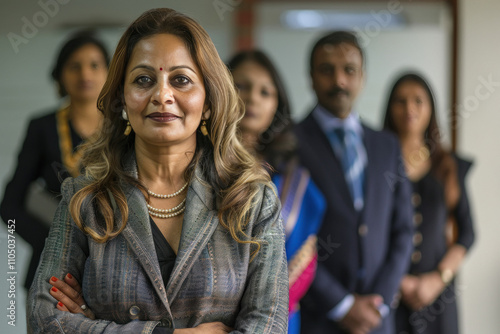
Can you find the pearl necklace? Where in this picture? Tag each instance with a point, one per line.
(167, 213)
(168, 195)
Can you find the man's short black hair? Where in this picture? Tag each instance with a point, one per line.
(336, 38)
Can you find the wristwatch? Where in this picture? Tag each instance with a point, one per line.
(446, 275)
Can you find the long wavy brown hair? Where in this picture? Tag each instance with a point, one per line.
(443, 165)
(229, 169)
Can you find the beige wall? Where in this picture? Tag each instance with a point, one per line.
(479, 138)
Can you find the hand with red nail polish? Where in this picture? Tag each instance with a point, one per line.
(68, 293)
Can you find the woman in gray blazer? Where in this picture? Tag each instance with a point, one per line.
(174, 227)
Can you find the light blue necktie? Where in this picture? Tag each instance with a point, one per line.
(348, 148)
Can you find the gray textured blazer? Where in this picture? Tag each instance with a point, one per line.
(213, 278)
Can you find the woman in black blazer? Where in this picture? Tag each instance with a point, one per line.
(50, 150)
(442, 218)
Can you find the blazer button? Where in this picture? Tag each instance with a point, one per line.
(417, 239)
(416, 256)
(363, 230)
(134, 311)
(166, 323)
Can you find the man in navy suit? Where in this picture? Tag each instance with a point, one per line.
(365, 241)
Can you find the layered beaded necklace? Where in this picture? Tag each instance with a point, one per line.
(167, 213)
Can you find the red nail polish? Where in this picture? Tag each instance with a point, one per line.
(53, 279)
(60, 304)
(54, 289)
(69, 276)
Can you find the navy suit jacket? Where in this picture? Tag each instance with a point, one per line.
(364, 252)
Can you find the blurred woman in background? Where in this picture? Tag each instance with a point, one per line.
(266, 131)
(50, 150)
(428, 300)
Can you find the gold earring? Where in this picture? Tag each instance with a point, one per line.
(127, 129)
(203, 128)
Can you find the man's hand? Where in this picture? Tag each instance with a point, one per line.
(363, 315)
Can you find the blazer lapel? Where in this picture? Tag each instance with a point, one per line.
(371, 156)
(199, 224)
(138, 234)
(326, 157)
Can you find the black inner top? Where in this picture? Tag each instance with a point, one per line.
(165, 253)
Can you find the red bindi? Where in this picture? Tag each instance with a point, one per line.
(161, 68)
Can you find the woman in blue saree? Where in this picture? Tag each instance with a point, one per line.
(266, 131)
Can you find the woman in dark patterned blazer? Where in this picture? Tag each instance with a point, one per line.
(174, 228)
(428, 300)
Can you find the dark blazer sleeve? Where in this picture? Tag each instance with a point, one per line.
(463, 211)
(66, 251)
(28, 169)
(326, 290)
(398, 259)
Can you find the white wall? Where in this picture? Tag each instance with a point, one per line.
(479, 137)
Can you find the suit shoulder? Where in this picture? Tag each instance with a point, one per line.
(382, 141)
(305, 126)
(382, 136)
(305, 122)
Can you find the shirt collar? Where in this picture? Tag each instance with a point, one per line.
(327, 122)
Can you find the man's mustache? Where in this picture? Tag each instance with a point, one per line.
(335, 91)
